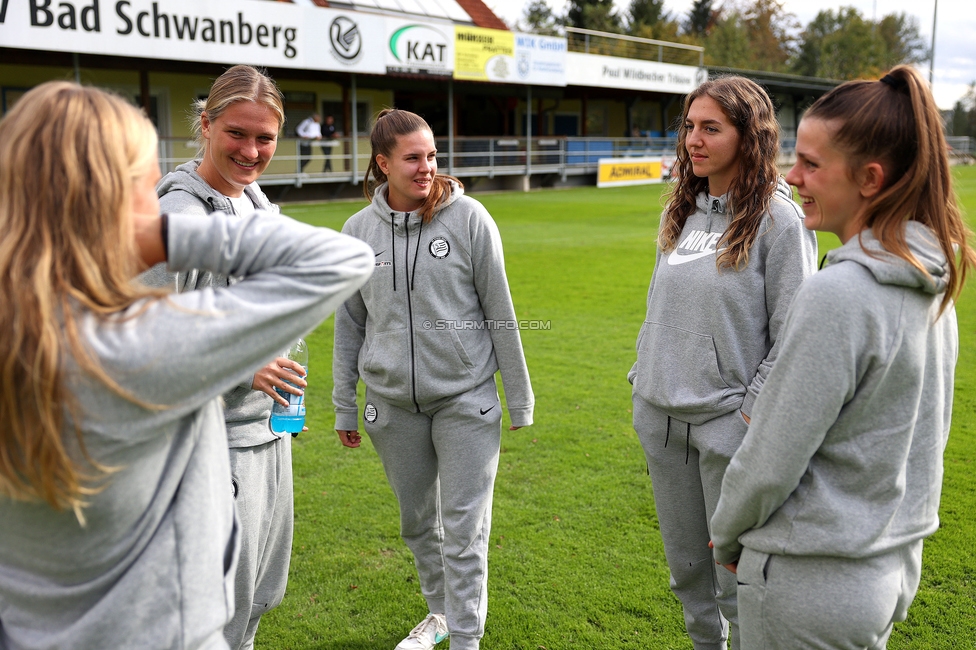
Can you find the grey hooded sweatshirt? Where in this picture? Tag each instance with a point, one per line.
(183, 191)
(711, 335)
(154, 566)
(436, 319)
(844, 454)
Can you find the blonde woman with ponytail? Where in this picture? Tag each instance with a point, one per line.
(825, 505)
(426, 335)
(118, 527)
(731, 254)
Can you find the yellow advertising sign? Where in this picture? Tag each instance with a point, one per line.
(628, 171)
(483, 54)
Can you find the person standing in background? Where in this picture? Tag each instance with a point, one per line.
(237, 127)
(731, 254)
(329, 135)
(309, 130)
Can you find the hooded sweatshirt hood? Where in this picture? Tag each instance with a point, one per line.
(888, 268)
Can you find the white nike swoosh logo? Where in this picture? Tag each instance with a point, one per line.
(674, 259)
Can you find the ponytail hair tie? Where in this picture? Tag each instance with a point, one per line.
(896, 83)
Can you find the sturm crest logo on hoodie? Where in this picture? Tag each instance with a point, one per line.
(369, 413)
(439, 248)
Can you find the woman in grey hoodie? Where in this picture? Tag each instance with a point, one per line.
(237, 126)
(426, 336)
(118, 527)
(825, 505)
(732, 251)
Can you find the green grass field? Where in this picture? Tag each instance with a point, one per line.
(576, 560)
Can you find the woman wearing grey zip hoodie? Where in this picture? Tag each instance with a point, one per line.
(825, 505)
(238, 126)
(426, 336)
(732, 251)
(118, 527)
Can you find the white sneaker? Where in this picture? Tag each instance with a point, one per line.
(428, 633)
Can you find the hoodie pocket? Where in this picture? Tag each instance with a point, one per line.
(678, 370)
(386, 364)
(444, 366)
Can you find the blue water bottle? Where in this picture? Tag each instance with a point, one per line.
(291, 418)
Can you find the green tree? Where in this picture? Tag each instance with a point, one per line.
(538, 18)
(964, 114)
(845, 45)
(754, 35)
(645, 13)
(593, 14)
(902, 41)
(728, 43)
(701, 18)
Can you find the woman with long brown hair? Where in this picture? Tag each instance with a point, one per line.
(426, 335)
(118, 524)
(731, 253)
(825, 505)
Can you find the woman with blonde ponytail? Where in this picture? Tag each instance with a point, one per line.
(426, 335)
(825, 505)
(118, 527)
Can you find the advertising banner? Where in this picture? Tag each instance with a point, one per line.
(615, 72)
(247, 31)
(614, 172)
(483, 54)
(419, 48)
(540, 60)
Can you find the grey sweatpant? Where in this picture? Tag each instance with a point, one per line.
(789, 602)
(264, 498)
(686, 464)
(441, 464)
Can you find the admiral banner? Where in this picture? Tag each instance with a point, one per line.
(419, 48)
(633, 74)
(247, 31)
(613, 172)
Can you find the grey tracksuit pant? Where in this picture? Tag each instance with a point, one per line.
(789, 602)
(686, 464)
(263, 490)
(441, 464)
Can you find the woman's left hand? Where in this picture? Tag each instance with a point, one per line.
(277, 374)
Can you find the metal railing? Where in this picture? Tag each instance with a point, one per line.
(590, 41)
(478, 157)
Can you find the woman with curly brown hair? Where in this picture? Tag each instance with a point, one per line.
(732, 251)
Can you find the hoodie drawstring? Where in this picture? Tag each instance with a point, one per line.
(416, 253)
(667, 437)
(393, 239)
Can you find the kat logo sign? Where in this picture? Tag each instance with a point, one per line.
(419, 48)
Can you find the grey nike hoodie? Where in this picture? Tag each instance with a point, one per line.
(844, 454)
(154, 566)
(711, 336)
(183, 191)
(436, 319)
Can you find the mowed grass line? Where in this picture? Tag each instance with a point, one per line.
(576, 560)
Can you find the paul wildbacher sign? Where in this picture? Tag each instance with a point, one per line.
(147, 21)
